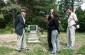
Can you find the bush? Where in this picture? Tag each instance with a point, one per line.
(81, 19)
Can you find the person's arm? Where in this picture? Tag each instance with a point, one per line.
(59, 20)
(57, 25)
(46, 18)
(75, 18)
(16, 21)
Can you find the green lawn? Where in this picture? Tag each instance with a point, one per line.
(42, 47)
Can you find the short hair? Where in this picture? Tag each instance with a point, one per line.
(23, 9)
(69, 8)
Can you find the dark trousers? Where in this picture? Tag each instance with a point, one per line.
(49, 39)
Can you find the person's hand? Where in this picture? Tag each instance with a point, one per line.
(13, 29)
(59, 22)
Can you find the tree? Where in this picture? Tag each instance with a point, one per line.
(64, 4)
(34, 7)
(9, 11)
(81, 19)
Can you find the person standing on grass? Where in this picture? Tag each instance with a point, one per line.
(20, 30)
(49, 31)
(54, 26)
(71, 28)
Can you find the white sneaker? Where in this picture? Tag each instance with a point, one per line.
(53, 52)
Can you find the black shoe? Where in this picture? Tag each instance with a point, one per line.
(24, 49)
(18, 50)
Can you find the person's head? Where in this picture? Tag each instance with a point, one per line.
(51, 11)
(23, 11)
(69, 10)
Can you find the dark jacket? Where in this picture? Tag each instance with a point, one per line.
(49, 19)
(54, 24)
(19, 25)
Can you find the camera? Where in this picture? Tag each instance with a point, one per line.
(42, 13)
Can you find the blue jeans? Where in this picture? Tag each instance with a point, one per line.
(70, 36)
(55, 41)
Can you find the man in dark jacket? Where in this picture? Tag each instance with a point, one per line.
(20, 30)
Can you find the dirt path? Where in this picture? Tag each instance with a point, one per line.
(8, 37)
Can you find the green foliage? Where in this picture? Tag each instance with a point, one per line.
(4, 22)
(81, 19)
(9, 11)
(64, 4)
(11, 6)
(63, 25)
(1, 16)
(34, 7)
(33, 16)
(6, 30)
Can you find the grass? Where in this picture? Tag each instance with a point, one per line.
(4, 50)
(66, 52)
(42, 47)
(82, 50)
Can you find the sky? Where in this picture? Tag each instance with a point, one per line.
(83, 6)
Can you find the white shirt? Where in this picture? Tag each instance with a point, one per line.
(23, 19)
(72, 18)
